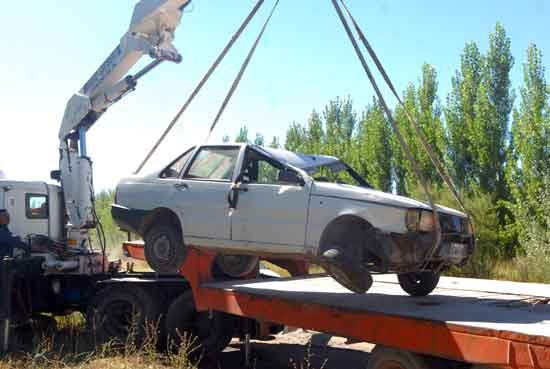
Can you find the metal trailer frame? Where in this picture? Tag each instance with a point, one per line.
(420, 338)
(497, 348)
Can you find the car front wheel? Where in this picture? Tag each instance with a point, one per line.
(346, 270)
(418, 283)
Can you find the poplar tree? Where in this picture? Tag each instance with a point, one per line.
(374, 154)
(429, 119)
(530, 162)
(460, 115)
(493, 107)
(405, 178)
(242, 136)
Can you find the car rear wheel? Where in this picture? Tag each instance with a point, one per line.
(418, 283)
(165, 251)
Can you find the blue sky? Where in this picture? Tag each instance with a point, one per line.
(52, 47)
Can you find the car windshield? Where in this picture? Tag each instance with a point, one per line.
(321, 168)
(338, 172)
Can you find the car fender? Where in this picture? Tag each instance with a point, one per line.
(324, 210)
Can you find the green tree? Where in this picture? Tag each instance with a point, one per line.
(295, 137)
(374, 157)
(259, 140)
(530, 163)
(243, 135)
(493, 107)
(340, 123)
(315, 136)
(275, 144)
(404, 176)
(460, 115)
(429, 119)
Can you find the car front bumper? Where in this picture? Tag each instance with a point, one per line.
(407, 252)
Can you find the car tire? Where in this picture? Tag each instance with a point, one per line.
(237, 266)
(209, 333)
(346, 270)
(165, 251)
(119, 312)
(418, 283)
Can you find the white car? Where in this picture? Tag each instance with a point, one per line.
(242, 199)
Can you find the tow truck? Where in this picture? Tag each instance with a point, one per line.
(463, 323)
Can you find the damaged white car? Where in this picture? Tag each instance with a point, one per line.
(248, 200)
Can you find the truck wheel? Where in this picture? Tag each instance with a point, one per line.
(418, 283)
(209, 333)
(165, 251)
(237, 266)
(346, 270)
(120, 312)
(387, 358)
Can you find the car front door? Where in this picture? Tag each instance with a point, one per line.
(201, 193)
(270, 211)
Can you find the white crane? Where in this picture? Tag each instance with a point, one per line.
(151, 32)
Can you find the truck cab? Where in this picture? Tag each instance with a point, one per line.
(35, 208)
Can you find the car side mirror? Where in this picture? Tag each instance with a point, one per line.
(290, 176)
(243, 178)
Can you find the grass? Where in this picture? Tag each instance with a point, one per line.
(518, 269)
(73, 346)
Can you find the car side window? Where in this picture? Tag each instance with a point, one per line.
(215, 163)
(260, 169)
(175, 169)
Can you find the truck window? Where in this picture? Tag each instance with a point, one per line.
(174, 170)
(36, 206)
(215, 163)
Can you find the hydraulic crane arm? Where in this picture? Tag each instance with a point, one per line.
(151, 32)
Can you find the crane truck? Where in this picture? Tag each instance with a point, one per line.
(64, 271)
(464, 323)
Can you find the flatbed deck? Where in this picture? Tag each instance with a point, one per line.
(501, 324)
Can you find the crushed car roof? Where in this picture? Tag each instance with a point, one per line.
(306, 162)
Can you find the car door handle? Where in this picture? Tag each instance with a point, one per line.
(181, 186)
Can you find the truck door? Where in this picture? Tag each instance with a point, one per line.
(271, 208)
(28, 208)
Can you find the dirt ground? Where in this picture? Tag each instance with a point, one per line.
(296, 350)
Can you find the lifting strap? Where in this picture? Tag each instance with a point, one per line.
(427, 147)
(400, 138)
(241, 72)
(202, 82)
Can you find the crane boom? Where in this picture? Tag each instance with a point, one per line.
(151, 32)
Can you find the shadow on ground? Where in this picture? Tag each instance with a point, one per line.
(295, 351)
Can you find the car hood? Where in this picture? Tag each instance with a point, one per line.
(350, 192)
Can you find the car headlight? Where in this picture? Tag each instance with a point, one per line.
(419, 220)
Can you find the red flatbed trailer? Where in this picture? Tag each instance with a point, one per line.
(477, 322)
